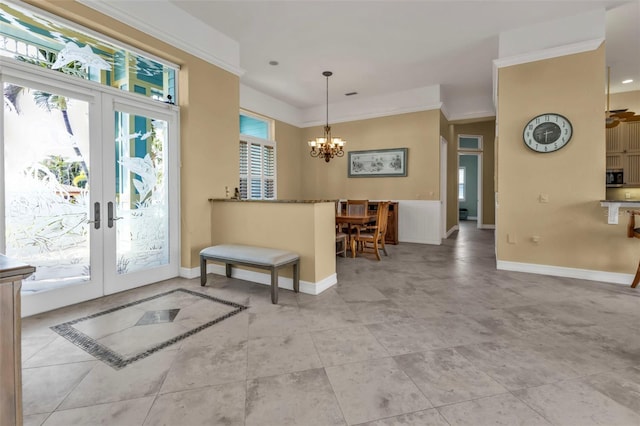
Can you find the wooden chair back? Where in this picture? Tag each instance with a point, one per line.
(382, 219)
(372, 238)
(357, 207)
(632, 231)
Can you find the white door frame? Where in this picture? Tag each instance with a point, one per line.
(478, 155)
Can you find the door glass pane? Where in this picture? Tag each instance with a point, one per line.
(141, 212)
(46, 178)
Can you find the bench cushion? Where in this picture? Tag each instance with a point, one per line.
(258, 255)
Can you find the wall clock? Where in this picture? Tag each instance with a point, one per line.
(547, 132)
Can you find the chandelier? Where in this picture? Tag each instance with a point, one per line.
(327, 147)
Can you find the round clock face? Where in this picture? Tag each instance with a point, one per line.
(547, 132)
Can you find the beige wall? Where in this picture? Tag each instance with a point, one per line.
(290, 147)
(572, 226)
(209, 128)
(419, 131)
(486, 129)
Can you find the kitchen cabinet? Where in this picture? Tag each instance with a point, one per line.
(623, 151)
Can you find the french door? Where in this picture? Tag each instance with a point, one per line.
(89, 189)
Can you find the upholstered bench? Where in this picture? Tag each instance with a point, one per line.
(257, 257)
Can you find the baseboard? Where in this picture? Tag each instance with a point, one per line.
(453, 229)
(485, 226)
(263, 278)
(559, 271)
(429, 241)
(189, 273)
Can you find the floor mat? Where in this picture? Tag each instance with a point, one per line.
(128, 333)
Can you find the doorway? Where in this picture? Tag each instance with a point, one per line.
(470, 178)
(89, 190)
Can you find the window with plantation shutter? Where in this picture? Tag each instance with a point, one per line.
(257, 169)
(257, 158)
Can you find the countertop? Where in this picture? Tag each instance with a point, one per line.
(11, 267)
(614, 208)
(233, 200)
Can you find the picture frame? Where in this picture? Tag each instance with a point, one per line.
(378, 163)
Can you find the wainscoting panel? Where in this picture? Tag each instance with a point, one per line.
(419, 221)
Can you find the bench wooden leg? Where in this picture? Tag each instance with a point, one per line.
(203, 271)
(296, 277)
(274, 286)
(227, 270)
(636, 279)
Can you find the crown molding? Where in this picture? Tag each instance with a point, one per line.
(553, 52)
(161, 25)
(408, 101)
(477, 115)
(363, 115)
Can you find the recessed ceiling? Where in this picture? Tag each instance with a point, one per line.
(379, 47)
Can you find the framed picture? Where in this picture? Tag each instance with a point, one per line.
(378, 163)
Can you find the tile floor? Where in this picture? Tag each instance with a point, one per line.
(431, 335)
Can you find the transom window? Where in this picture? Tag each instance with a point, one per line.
(37, 38)
(470, 143)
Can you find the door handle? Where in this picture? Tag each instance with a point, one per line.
(96, 216)
(110, 218)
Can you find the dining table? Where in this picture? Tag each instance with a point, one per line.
(348, 219)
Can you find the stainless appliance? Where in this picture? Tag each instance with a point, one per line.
(615, 178)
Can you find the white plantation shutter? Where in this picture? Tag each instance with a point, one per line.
(269, 173)
(257, 169)
(244, 169)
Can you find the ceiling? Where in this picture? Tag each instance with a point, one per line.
(381, 47)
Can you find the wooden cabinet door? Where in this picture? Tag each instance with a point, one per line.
(616, 139)
(632, 169)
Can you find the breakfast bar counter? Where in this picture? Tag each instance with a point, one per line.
(614, 208)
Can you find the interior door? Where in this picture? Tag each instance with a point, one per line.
(51, 191)
(141, 180)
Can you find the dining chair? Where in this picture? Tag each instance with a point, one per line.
(372, 238)
(354, 208)
(632, 232)
(341, 244)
